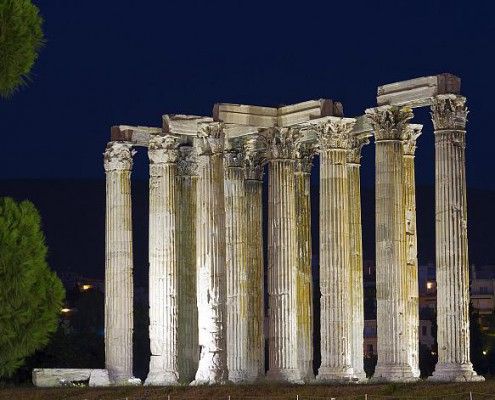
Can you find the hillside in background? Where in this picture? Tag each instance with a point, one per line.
(73, 213)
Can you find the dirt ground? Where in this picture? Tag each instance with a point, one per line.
(421, 390)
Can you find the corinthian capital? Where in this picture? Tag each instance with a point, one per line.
(334, 133)
(234, 154)
(163, 149)
(210, 138)
(255, 150)
(118, 156)
(304, 153)
(187, 163)
(449, 111)
(389, 122)
(413, 131)
(283, 141)
(355, 144)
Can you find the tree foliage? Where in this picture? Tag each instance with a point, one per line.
(31, 295)
(21, 37)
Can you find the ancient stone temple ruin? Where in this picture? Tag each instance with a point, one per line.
(206, 263)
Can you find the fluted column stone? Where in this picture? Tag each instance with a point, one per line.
(449, 119)
(413, 132)
(186, 181)
(356, 142)
(118, 262)
(238, 311)
(282, 258)
(163, 273)
(304, 281)
(335, 284)
(210, 248)
(255, 151)
(392, 286)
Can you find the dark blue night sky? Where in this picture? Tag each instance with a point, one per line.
(111, 62)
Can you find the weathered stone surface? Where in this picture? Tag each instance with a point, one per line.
(356, 141)
(210, 251)
(454, 362)
(335, 283)
(417, 92)
(99, 378)
(163, 273)
(118, 262)
(282, 259)
(389, 125)
(412, 308)
(56, 377)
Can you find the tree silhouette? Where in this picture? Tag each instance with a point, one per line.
(31, 295)
(21, 37)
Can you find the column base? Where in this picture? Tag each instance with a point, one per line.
(158, 376)
(335, 375)
(210, 377)
(289, 375)
(451, 372)
(393, 373)
(359, 377)
(244, 377)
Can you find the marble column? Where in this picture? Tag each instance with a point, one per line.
(255, 151)
(238, 311)
(118, 262)
(186, 181)
(413, 132)
(163, 272)
(210, 254)
(304, 281)
(389, 125)
(356, 142)
(335, 284)
(449, 119)
(282, 258)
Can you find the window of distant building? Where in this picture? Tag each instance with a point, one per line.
(370, 349)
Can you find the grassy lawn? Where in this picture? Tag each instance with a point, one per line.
(421, 390)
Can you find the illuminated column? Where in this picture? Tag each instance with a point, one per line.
(449, 119)
(255, 160)
(118, 262)
(356, 142)
(210, 253)
(335, 283)
(413, 132)
(186, 250)
(304, 282)
(163, 273)
(238, 311)
(392, 286)
(282, 258)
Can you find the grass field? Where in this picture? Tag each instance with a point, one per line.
(421, 390)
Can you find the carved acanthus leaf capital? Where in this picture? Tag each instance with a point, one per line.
(334, 133)
(118, 156)
(355, 144)
(255, 150)
(304, 153)
(210, 139)
(282, 142)
(234, 153)
(449, 111)
(187, 163)
(389, 122)
(163, 149)
(413, 131)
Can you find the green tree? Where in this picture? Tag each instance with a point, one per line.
(21, 37)
(31, 295)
